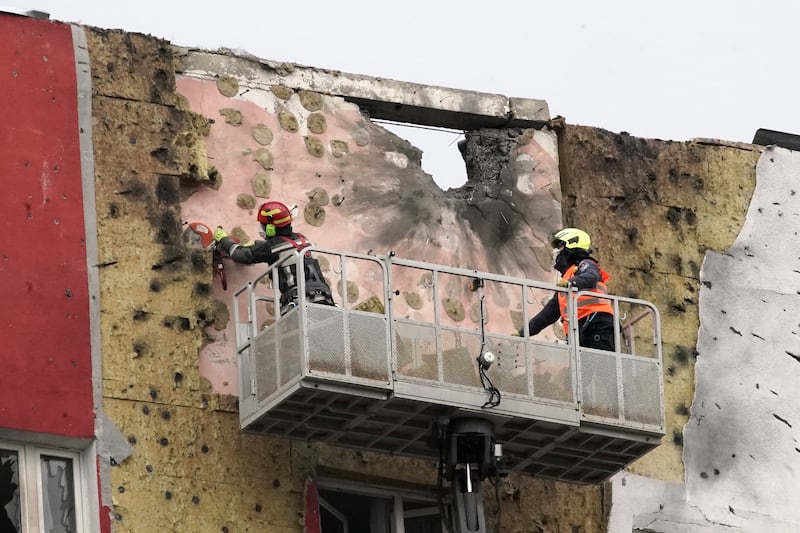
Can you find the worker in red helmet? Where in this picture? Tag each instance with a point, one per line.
(581, 271)
(279, 240)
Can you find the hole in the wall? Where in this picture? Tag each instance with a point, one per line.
(440, 155)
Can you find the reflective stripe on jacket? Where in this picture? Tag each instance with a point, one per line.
(587, 304)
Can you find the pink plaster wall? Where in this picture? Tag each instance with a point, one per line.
(387, 202)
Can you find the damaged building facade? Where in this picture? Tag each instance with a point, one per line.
(123, 383)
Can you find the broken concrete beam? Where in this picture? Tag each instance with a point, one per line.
(381, 98)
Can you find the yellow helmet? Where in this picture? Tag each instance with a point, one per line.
(571, 238)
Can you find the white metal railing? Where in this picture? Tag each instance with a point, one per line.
(414, 328)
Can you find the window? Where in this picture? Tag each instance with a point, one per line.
(441, 157)
(41, 489)
(348, 508)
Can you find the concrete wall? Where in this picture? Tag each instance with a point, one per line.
(673, 222)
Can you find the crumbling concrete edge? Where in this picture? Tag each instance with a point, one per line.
(98, 462)
(380, 98)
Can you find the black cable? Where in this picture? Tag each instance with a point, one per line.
(483, 319)
(494, 394)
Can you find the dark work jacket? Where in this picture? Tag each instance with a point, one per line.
(264, 251)
(272, 250)
(259, 252)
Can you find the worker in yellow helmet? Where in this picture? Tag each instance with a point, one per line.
(581, 271)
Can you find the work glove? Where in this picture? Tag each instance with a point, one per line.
(560, 283)
(516, 334)
(219, 234)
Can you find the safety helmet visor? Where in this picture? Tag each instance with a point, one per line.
(571, 238)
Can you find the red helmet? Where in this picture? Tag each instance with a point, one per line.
(274, 213)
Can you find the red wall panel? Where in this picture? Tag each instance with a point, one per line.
(45, 352)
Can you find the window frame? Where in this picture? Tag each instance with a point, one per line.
(31, 492)
(395, 511)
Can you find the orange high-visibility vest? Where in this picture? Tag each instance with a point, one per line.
(587, 304)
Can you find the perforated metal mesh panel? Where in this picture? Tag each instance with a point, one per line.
(326, 340)
(263, 349)
(416, 350)
(640, 379)
(369, 345)
(552, 371)
(289, 347)
(599, 383)
(510, 373)
(276, 355)
(459, 353)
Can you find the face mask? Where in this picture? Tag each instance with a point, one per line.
(268, 230)
(563, 261)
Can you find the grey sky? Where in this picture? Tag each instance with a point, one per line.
(674, 69)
